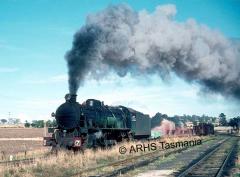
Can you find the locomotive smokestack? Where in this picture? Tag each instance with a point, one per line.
(72, 98)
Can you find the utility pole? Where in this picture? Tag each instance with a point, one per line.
(9, 115)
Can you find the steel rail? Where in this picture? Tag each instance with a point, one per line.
(206, 157)
(226, 160)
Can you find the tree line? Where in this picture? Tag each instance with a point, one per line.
(40, 123)
(11, 121)
(34, 123)
(181, 120)
(155, 121)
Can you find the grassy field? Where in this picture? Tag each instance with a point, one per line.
(66, 163)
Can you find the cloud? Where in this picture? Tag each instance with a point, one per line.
(8, 70)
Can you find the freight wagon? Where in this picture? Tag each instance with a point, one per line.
(203, 129)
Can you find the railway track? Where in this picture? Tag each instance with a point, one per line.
(123, 166)
(213, 163)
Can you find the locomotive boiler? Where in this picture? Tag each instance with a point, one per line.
(93, 124)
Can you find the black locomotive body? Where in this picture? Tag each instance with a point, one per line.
(204, 129)
(93, 124)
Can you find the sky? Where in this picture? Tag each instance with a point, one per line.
(35, 35)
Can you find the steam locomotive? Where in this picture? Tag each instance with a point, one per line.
(93, 124)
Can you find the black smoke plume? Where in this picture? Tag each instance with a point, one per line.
(122, 40)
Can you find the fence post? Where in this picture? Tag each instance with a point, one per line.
(11, 157)
(3, 155)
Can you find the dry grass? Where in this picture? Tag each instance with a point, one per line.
(14, 147)
(17, 148)
(66, 163)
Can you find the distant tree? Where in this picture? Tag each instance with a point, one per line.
(222, 119)
(195, 118)
(16, 121)
(235, 123)
(203, 118)
(50, 123)
(214, 119)
(156, 120)
(27, 124)
(176, 120)
(33, 124)
(3, 121)
(164, 116)
(232, 123)
(37, 123)
(194, 122)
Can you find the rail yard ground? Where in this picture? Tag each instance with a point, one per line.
(106, 161)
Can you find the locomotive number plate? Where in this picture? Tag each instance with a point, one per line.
(77, 142)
